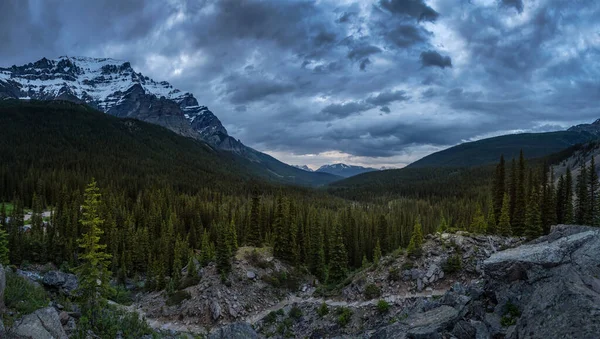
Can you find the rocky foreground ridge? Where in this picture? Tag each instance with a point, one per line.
(547, 288)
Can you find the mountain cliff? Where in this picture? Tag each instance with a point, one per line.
(344, 170)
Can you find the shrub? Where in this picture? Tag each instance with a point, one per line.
(113, 322)
(178, 297)
(407, 265)
(257, 260)
(453, 264)
(383, 306)
(510, 315)
(23, 296)
(121, 295)
(270, 318)
(295, 312)
(323, 310)
(344, 316)
(372, 291)
(394, 274)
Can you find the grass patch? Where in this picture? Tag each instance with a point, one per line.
(23, 296)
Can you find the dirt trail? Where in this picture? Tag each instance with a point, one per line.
(177, 326)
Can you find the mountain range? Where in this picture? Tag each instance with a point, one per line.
(115, 88)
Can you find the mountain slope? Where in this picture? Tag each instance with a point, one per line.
(487, 151)
(114, 87)
(41, 139)
(344, 170)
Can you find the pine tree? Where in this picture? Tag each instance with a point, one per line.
(504, 227)
(93, 272)
(317, 253)
(582, 208)
(491, 218)
(520, 205)
(534, 220)
(568, 197)
(443, 226)
(205, 250)
(416, 239)
(338, 263)
(223, 251)
(479, 225)
(382, 233)
(4, 250)
(593, 192)
(377, 253)
(499, 186)
(560, 200)
(192, 271)
(279, 229)
(513, 185)
(254, 238)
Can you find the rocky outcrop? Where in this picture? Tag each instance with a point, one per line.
(551, 287)
(60, 281)
(42, 324)
(2, 288)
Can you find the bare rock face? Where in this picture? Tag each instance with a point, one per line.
(554, 283)
(235, 331)
(42, 324)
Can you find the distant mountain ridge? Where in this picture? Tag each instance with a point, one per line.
(114, 87)
(344, 170)
(488, 151)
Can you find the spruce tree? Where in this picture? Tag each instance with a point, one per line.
(382, 233)
(254, 238)
(416, 239)
(582, 207)
(377, 253)
(560, 200)
(338, 262)
(504, 227)
(520, 205)
(491, 218)
(4, 250)
(512, 188)
(317, 253)
(93, 272)
(478, 224)
(223, 250)
(568, 218)
(499, 186)
(534, 221)
(205, 250)
(593, 192)
(443, 225)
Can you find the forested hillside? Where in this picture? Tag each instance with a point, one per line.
(487, 151)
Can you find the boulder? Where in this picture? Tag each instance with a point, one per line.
(215, 310)
(234, 331)
(60, 281)
(42, 324)
(553, 284)
(2, 287)
(429, 324)
(251, 275)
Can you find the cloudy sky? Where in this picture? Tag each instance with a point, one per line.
(370, 82)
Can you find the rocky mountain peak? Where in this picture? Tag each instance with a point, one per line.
(114, 87)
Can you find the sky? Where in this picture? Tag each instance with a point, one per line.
(366, 82)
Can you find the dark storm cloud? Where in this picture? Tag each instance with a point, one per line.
(433, 58)
(416, 9)
(385, 98)
(345, 109)
(307, 76)
(517, 4)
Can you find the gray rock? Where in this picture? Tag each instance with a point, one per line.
(42, 324)
(481, 331)
(235, 331)
(419, 285)
(553, 282)
(429, 324)
(464, 330)
(215, 310)
(60, 280)
(433, 269)
(251, 275)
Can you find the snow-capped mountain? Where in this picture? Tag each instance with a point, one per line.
(304, 168)
(114, 87)
(344, 170)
